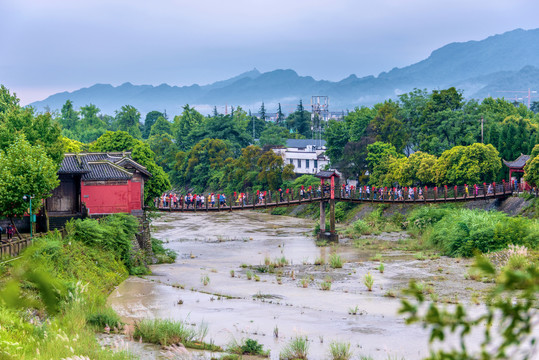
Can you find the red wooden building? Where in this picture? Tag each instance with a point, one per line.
(98, 183)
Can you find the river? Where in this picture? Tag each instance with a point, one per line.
(213, 245)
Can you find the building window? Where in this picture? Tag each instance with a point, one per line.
(307, 163)
(299, 163)
(291, 162)
(316, 164)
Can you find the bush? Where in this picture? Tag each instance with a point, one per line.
(113, 233)
(361, 227)
(462, 232)
(426, 216)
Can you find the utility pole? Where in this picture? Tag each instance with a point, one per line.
(253, 117)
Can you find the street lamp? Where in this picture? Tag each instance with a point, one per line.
(25, 198)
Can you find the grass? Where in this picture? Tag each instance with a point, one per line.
(205, 280)
(325, 285)
(381, 268)
(320, 261)
(377, 257)
(340, 351)
(296, 349)
(304, 282)
(353, 310)
(368, 280)
(249, 275)
(335, 261)
(166, 332)
(420, 256)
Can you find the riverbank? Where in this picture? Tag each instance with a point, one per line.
(54, 297)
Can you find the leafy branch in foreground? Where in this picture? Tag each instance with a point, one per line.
(510, 317)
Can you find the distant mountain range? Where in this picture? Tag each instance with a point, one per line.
(499, 63)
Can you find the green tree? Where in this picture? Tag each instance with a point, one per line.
(164, 149)
(161, 127)
(25, 170)
(90, 126)
(271, 168)
(357, 122)
(128, 120)
(280, 116)
(387, 126)
(300, 121)
(471, 164)
(185, 125)
(380, 156)
(273, 135)
(262, 112)
(531, 169)
(203, 163)
(69, 117)
(38, 130)
(337, 136)
(114, 141)
(150, 119)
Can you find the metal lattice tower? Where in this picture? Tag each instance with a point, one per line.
(319, 114)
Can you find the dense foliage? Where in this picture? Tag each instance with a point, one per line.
(53, 295)
(463, 232)
(25, 170)
(432, 123)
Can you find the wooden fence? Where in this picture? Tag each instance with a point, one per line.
(14, 247)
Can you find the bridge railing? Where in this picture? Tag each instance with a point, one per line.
(386, 194)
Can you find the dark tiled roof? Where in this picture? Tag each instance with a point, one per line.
(106, 170)
(301, 143)
(326, 174)
(101, 166)
(518, 163)
(74, 164)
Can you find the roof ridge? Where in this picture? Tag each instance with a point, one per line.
(107, 162)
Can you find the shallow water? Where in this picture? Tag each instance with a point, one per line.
(236, 308)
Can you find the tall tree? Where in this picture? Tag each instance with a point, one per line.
(185, 125)
(128, 120)
(280, 116)
(262, 112)
(38, 130)
(150, 119)
(300, 121)
(161, 126)
(25, 170)
(69, 117)
(388, 127)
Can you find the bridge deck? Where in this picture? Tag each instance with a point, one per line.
(352, 199)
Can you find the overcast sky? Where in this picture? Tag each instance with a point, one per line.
(48, 46)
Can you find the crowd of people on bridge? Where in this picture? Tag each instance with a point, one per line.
(175, 200)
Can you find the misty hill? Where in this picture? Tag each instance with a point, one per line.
(509, 61)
